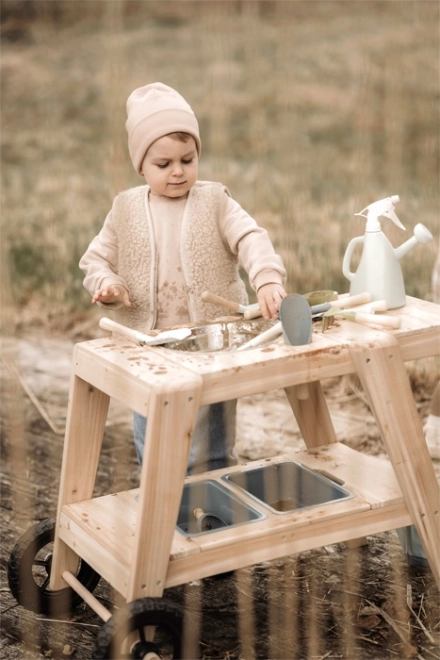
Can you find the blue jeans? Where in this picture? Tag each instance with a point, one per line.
(213, 440)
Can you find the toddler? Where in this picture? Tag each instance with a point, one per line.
(165, 242)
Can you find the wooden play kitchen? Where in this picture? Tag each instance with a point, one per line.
(133, 539)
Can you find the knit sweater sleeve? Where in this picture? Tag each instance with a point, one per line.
(251, 244)
(100, 261)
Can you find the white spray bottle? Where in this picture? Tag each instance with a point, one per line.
(379, 270)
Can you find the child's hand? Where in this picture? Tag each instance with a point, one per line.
(112, 294)
(269, 298)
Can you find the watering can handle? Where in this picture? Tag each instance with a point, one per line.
(347, 257)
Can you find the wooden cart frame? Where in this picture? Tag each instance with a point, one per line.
(130, 538)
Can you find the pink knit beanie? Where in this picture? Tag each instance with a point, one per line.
(154, 111)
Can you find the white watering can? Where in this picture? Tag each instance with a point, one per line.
(379, 270)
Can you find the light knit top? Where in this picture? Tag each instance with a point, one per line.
(172, 305)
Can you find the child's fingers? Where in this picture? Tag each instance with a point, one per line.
(265, 313)
(277, 298)
(273, 308)
(268, 307)
(121, 293)
(126, 298)
(270, 297)
(98, 296)
(103, 295)
(112, 294)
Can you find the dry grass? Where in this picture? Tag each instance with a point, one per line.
(308, 112)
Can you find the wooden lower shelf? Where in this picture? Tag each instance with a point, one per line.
(102, 530)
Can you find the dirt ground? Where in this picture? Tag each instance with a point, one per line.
(333, 602)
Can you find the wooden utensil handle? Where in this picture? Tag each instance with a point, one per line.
(252, 312)
(375, 306)
(271, 333)
(352, 301)
(378, 319)
(112, 326)
(209, 297)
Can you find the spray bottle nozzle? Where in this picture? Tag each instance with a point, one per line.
(384, 207)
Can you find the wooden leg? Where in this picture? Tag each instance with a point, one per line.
(171, 421)
(86, 419)
(316, 426)
(385, 380)
(312, 415)
(352, 544)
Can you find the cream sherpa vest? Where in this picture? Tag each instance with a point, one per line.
(207, 264)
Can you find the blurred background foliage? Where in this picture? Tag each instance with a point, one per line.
(309, 111)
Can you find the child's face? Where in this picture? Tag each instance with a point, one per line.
(170, 167)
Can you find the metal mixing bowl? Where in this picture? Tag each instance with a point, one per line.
(221, 336)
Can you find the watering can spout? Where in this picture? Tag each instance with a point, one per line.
(421, 235)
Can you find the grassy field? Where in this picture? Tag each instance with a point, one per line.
(308, 111)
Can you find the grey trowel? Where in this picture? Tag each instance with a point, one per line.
(296, 319)
(295, 323)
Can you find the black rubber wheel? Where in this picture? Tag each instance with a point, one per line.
(29, 572)
(167, 617)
